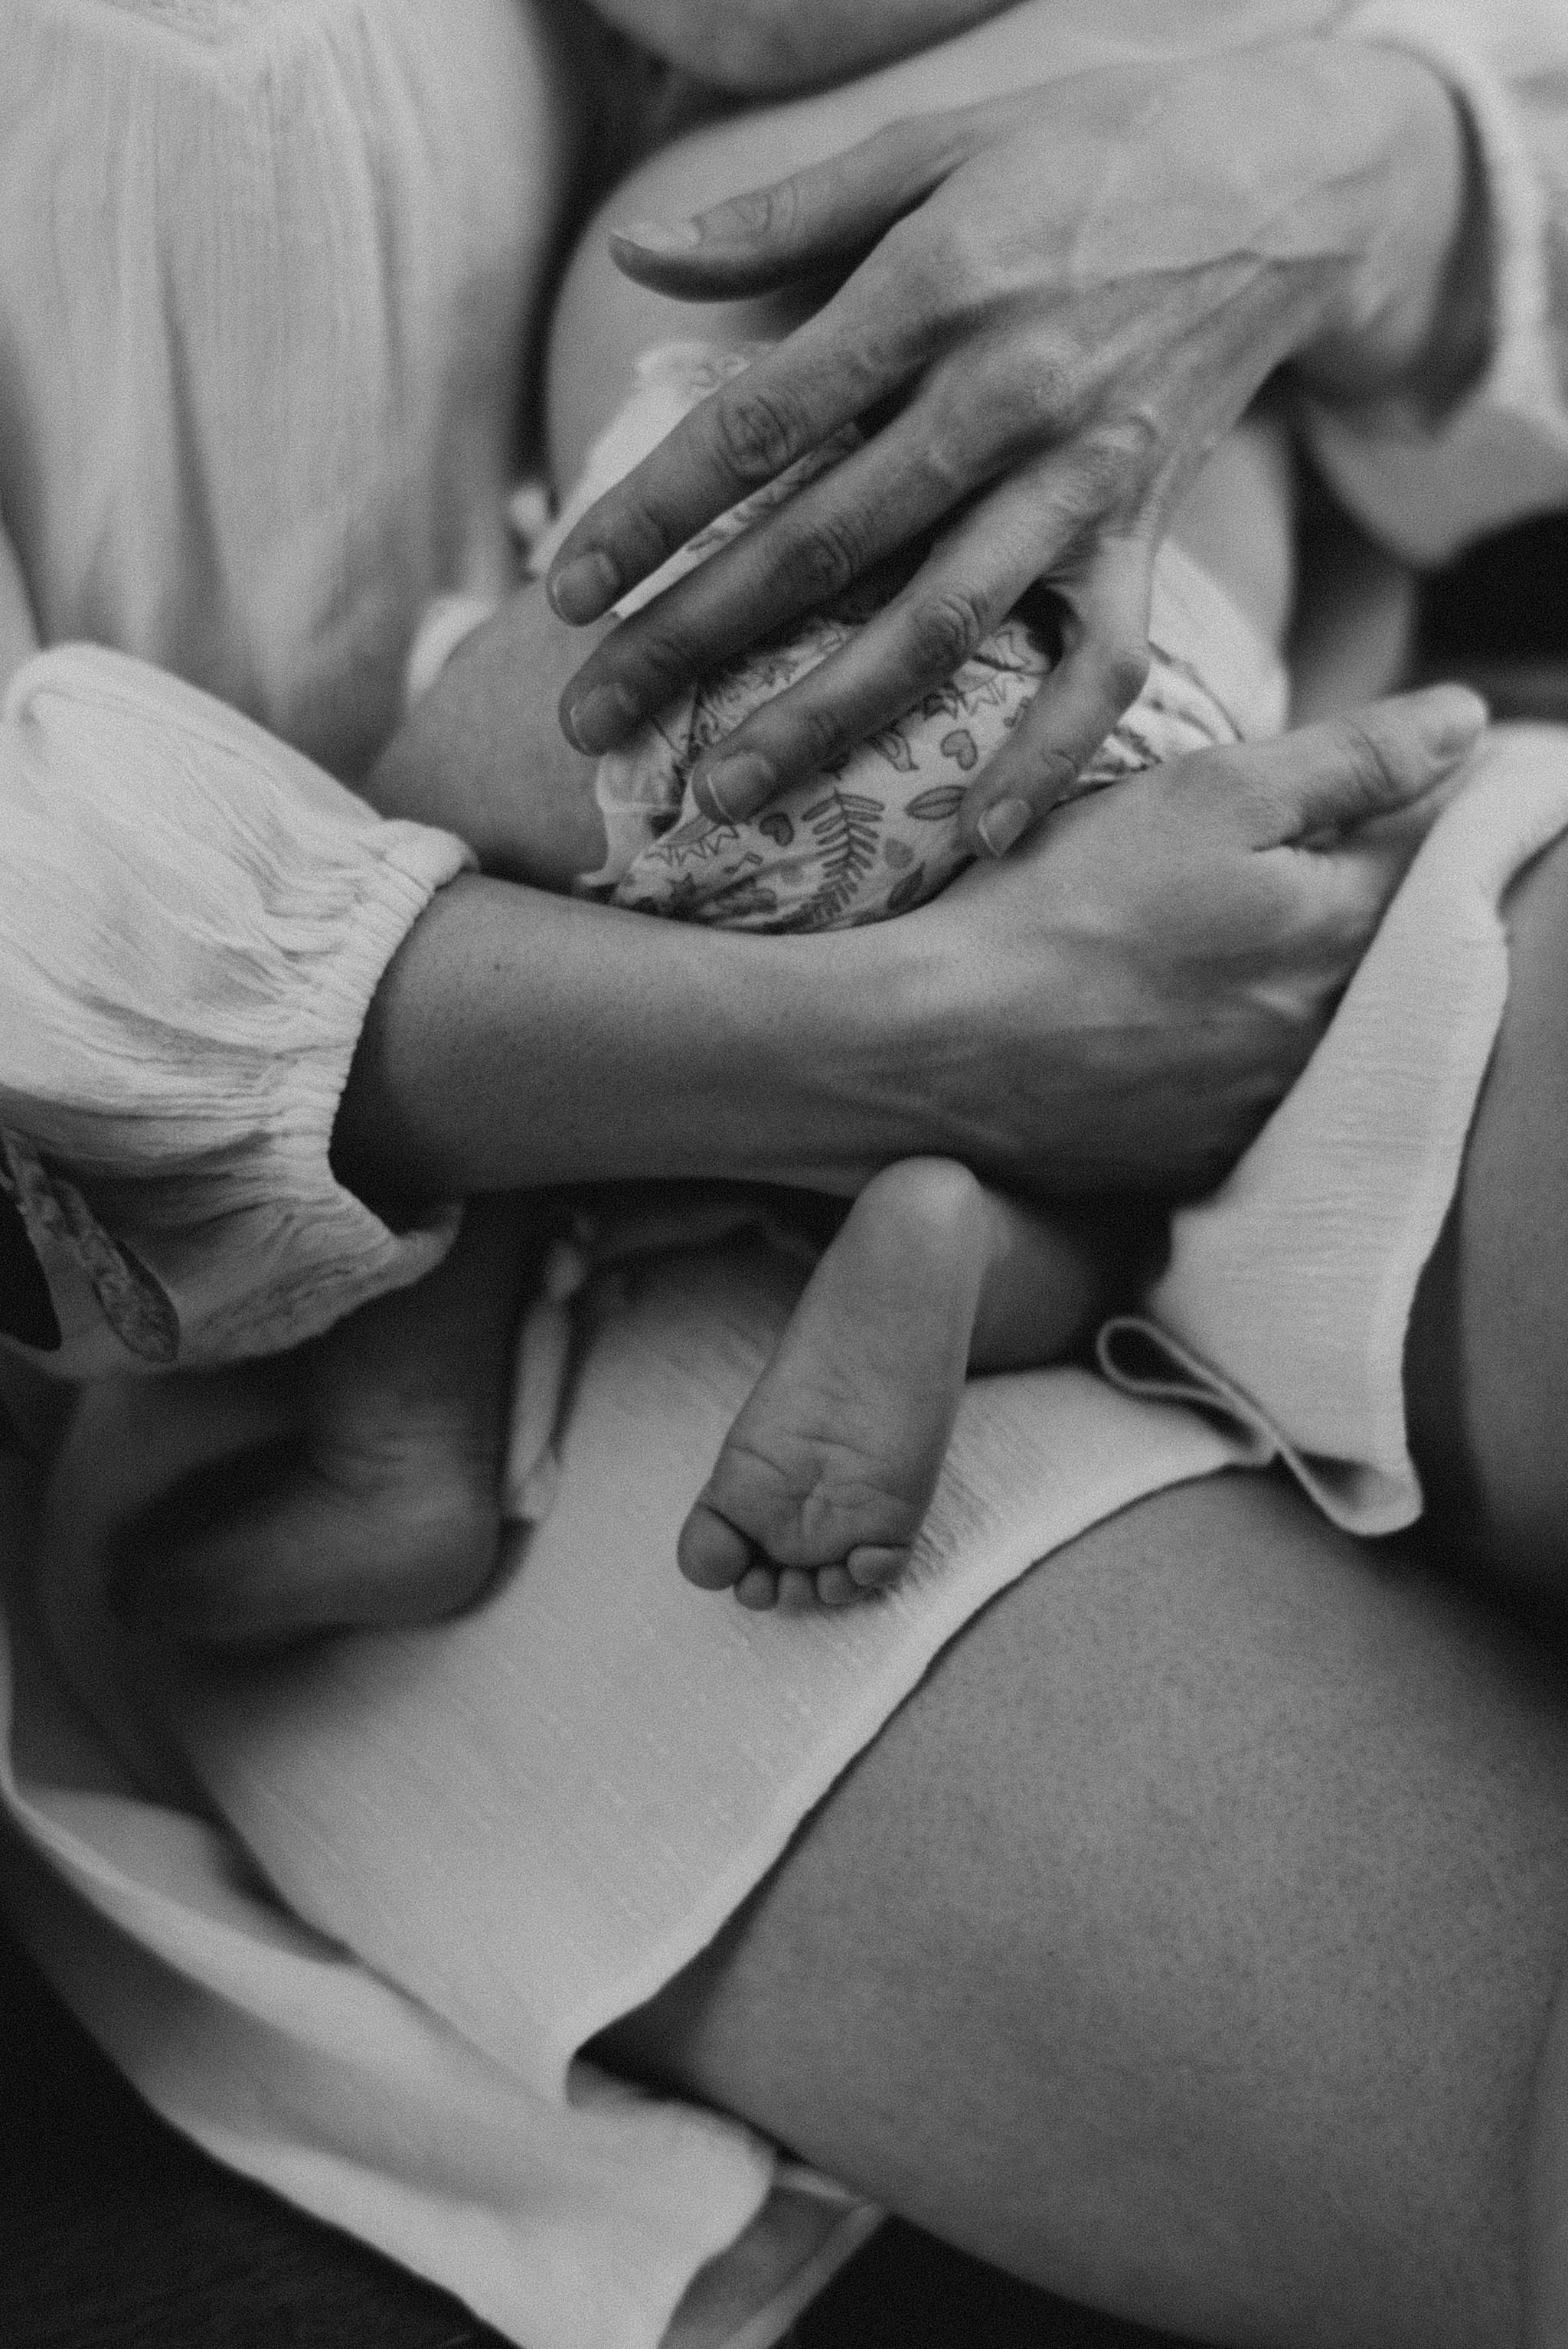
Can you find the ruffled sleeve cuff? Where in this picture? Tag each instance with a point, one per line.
(1502, 452)
(193, 920)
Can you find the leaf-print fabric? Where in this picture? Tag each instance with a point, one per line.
(876, 834)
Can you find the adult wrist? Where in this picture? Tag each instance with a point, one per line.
(519, 1041)
(1410, 332)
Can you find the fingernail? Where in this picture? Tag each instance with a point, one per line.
(602, 717)
(873, 1568)
(733, 787)
(584, 589)
(1454, 716)
(655, 236)
(1003, 824)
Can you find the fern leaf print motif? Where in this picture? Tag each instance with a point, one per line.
(847, 827)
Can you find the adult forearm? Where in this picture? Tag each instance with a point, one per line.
(519, 1040)
(1413, 323)
(1116, 1010)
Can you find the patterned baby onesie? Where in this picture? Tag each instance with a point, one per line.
(876, 833)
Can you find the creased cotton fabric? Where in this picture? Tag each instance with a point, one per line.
(268, 279)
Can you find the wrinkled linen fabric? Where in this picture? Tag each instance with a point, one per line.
(171, 1168)
(264, 277)
(482, 1843)
(263, 287)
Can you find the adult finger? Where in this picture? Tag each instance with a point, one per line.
(1349, 772)
(767, 236)
(869, 505)
(858, 348)
(1103, 664)
(274, 1550)
(917, 642)
(960, 595)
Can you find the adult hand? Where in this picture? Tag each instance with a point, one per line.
(1066, 296)
(1119, 1007)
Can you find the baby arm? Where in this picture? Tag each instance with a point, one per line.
(481, 754)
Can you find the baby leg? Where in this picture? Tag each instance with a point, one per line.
(827, 1473)
(391, 1468)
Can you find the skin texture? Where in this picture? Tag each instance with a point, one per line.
(1190, 1881)
(826, 1475)
(1184, 1944)
(1487, 1365)
(382, 1455)
(1188, 1940)
(1067, 294)
(760, 46)
(1116, 1008)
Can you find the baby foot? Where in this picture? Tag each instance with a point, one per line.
(829, 1470)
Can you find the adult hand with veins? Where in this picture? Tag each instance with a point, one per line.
(1054, 304)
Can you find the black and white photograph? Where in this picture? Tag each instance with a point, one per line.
(783, 1173)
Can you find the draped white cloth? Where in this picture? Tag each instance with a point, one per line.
(267, 278)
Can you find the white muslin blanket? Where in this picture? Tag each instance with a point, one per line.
(346, 1917)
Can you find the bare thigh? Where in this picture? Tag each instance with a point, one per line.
(1186, 1942)
(1486, 1369)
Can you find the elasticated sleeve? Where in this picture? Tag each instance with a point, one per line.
(193, 920)
(1502, 452)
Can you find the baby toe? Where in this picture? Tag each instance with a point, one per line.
(710, 1551)
(872, 1567)
(797, 1588)
(757, 1589)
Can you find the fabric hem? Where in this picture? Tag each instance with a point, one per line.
(1205, 1454)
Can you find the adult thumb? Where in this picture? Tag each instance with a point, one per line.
(1344, 773)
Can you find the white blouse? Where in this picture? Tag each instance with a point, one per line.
(267, 273)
